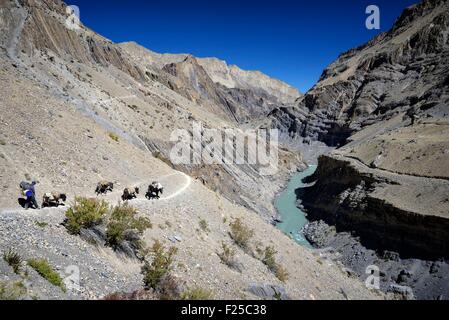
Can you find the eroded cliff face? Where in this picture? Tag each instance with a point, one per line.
(143, 97)
(355, 198)
(402, 69)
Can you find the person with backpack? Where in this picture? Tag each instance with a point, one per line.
(28, 190)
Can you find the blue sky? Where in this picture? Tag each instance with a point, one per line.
(289, 40)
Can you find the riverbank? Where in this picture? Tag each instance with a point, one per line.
(407, 278)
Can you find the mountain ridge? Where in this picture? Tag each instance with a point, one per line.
(221, 72)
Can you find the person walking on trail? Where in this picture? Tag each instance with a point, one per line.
(29, 192)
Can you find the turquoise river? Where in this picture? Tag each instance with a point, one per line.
(293, 219)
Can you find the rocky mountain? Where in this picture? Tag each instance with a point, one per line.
(385, 104)
(124, 90)
(77, 109)
(242, 96)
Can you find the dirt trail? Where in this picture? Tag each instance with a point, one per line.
(397, 175)
(175, 184)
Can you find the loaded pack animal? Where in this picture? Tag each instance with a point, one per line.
(130, 193)
(104, 187)
(54, 199)
(154, 191)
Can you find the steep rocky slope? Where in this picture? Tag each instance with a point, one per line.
(77, 109)
(138, 101)
(176, 222)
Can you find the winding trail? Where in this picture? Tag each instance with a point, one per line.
(390, 172)
(177, 189)
(188, 182)
(177, 183)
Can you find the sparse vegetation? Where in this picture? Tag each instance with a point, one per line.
(2, 142)
(12, 291)
(240, 233)
(124, 217)
(160, 265)
(269, 260)
(132, 296)
(227, 255)
(115, 234)
(13, 259)
(133, 107)
(281, 273)
(197, 294)
(41, 224)
(44, 269)
(113, 136)
(85, 213)
(168, 288)
(204, 225)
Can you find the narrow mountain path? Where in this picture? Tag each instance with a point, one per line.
(187, 182)
(174, 184)
(393, 173)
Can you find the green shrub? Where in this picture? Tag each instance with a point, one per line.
(124, 217)
(240, 233)
(204, 225)
(44, 269)
(160, 265)
(113, 136)
(227, 256)
(41, 224)
(13, 259)
(12, 291)
(2, 142)
(269, 260)
(85, 213)
(197, 294)
(281, 273)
